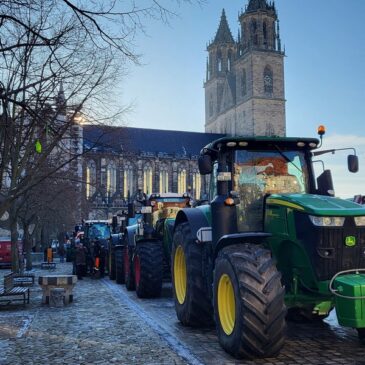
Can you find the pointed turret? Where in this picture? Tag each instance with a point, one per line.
(255, 5)
(224, 34)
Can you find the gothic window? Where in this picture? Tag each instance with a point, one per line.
(181, 182)
(270, 131)
(264, 31)
(229, 61)
(219, 61)
(268, 80)
(164, 179)
(128, 181)
(111, 178)
(90, 179)
(254, 35)
(243, 83)
(197, 183)
(147, 179)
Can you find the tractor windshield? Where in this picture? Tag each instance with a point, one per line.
(99, 231)
(257, 173)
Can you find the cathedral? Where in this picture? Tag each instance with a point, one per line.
(244, 95)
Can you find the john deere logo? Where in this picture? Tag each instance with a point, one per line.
(350, 241)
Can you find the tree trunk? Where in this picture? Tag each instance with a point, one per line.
(27, 246)
(14, 244)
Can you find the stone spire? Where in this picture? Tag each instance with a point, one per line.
(224, 34)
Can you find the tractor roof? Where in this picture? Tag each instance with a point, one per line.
(167, 195)
(260, 143)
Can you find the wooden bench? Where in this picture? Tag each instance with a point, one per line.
(13, 292)
(48, 265)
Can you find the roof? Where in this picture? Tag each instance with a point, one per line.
(145, 141)
(262, 142)
(224, 34)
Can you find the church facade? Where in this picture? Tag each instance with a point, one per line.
(244, 95)
(244, 88)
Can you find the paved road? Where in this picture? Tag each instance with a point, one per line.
(107, 324)
(321, 344)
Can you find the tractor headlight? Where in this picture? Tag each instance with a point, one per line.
(328, 221)
(360, 221)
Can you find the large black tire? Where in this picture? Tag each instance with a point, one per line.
(361, 334)
(192, 302)
(249, 303)
(118, 265)
(128, 268)
(148, 269)
(112, 273)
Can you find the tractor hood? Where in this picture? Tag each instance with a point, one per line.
(317, 204)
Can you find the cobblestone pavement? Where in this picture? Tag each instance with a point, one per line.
(324, 343)
(107, 324)
(95, 329)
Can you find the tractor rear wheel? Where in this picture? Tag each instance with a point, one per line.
(248, 302)
(112, 266)
(128, 269)
(192, 303)
(148, 269)
(118, 265)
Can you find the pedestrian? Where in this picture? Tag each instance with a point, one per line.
(80, 261)
(61, 252)
(99, 256)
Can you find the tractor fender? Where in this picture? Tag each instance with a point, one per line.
(194, 217)
(240, 238)
(130, 234)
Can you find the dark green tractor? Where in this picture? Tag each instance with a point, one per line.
(273, 242)
(147, 243)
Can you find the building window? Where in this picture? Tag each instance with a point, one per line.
(254, 36)
(229, 61)
(128, 182)
(264, 31)
(270, 131)
(268, 80)
(181, 182)
(90, 179)
(111, 178)
(147, 180)
(243, 83)
(211, 110)
(197, 183)
(219, 61)
(164, 180)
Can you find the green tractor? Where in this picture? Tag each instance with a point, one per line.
(273, 242)
(147, 243)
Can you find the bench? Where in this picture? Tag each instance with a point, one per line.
(13, 292)
(24, 279)
(48, 265)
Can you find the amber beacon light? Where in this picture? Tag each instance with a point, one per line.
(321, 130)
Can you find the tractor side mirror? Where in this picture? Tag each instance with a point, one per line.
(325, 183)
(205, 164)
(130, 210)
(353, 163)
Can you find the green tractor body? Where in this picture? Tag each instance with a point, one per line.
(274, 242)
(147, 248)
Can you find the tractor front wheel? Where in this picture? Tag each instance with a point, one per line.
(192, 302)
(148, 269)
(128, 269)
(118, 265)
(248, 302)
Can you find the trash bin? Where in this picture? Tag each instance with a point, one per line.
(57, 297)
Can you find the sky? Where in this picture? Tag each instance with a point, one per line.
(324, 74)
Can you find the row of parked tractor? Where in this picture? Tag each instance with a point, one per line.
(271, 244)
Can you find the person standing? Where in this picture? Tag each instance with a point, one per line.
(61, 252)
(80, 261)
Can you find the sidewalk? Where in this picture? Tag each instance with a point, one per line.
(95, 329)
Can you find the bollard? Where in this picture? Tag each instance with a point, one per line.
(57, 297)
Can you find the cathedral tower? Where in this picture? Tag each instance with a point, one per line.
(244, 88)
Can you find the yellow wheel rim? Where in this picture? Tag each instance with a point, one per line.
(226, 304)
(180, 275)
